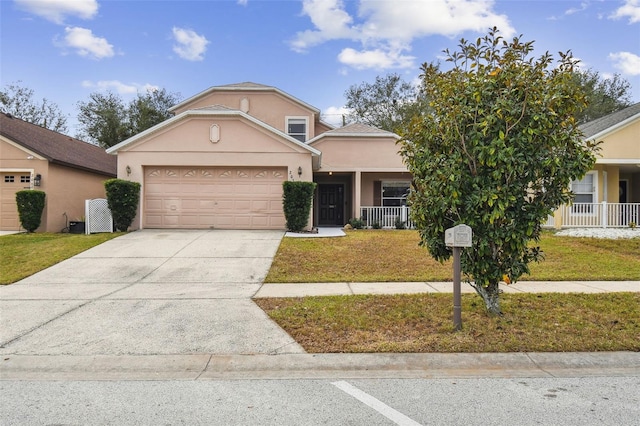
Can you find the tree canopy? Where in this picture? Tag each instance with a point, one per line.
(387, 104)
(497, 151)
(107, 120)
(20, 102)
(603, 95)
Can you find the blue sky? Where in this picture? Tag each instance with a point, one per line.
(313, 49)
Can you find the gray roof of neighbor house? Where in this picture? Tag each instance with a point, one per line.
(610, 121)
(56, 147)
(357, 130)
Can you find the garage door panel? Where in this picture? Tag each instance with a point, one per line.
(241, 198)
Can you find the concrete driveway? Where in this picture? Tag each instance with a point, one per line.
(150, 292)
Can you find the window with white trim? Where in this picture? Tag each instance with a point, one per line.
(585, 193)
(394, 193)
(297, 127)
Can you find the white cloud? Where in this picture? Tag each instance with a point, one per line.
(583, 6)
(630, 9)
(57, 10)
(86, 44)
(627, 62)
(190, 46)
(333, 115)
(377, 59)
(119, 87)
(385, 29)
(243, 2)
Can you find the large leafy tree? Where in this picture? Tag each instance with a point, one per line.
(387, 104)
(107, 120)
(20, 102)
(604, 95)
(497, 152)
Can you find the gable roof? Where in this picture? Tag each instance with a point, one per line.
(603, 125)
(211, 111)
(357, 130)
(247, 86)
(56, 147)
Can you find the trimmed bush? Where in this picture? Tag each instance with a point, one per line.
(356, 223)
(296, 204)
(30, 207)
(123, 197)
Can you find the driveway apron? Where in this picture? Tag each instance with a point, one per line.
(151, 292)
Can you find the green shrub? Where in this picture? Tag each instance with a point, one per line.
(30, 207)
(356, 223)
(123, 197)
(296, 204)
(400, 224)
(376, 225)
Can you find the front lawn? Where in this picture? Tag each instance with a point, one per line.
(391, 255)
(550, 322)
(25, 254)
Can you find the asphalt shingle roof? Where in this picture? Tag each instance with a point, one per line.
(603, 123)
(56, 147)
(358, 128)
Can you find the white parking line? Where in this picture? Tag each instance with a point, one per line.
(382, 408)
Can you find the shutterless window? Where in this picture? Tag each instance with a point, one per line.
(25, 179)
(585, 192)
(297, 128)
(395, 193)
(9, 179)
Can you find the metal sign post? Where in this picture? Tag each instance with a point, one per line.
(457, 237)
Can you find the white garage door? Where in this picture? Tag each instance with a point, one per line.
(213, 197)
(10, 183)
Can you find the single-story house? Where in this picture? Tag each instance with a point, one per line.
(221, 160)
(608, 195)
(68, 170)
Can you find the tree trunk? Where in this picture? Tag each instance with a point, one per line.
(491, 297)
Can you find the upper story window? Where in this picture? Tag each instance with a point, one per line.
(298, 127)
(395, 193)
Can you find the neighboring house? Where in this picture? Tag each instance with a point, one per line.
(68, 170)
(221, 160)
(609, 195)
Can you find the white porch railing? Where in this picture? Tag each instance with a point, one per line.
(600, 215)
(385, 217)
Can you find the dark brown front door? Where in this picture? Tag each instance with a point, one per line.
(331, 204)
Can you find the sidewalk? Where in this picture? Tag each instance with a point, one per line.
(345, 288)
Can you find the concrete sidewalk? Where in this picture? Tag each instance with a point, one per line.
(346, 288)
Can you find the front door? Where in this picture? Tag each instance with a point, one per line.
(331, 204)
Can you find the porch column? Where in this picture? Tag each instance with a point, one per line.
(357, 193)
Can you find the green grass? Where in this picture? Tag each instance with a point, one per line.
(550, 322)
(23, 255)
(389, 255)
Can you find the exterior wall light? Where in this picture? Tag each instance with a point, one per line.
(299, 171)
(128, 170)
(37, 180)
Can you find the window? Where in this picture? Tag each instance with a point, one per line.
(9, 179)
(297, 128)
(25, 179)
(585, 192)
(395, 193)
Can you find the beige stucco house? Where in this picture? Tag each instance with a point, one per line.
(68, 170)
(608, 195)
(221, 160)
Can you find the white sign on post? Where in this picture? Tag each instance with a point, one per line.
(458, 236)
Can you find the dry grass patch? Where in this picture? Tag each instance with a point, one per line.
(25, 254)
(422, 323)
(388, 255)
